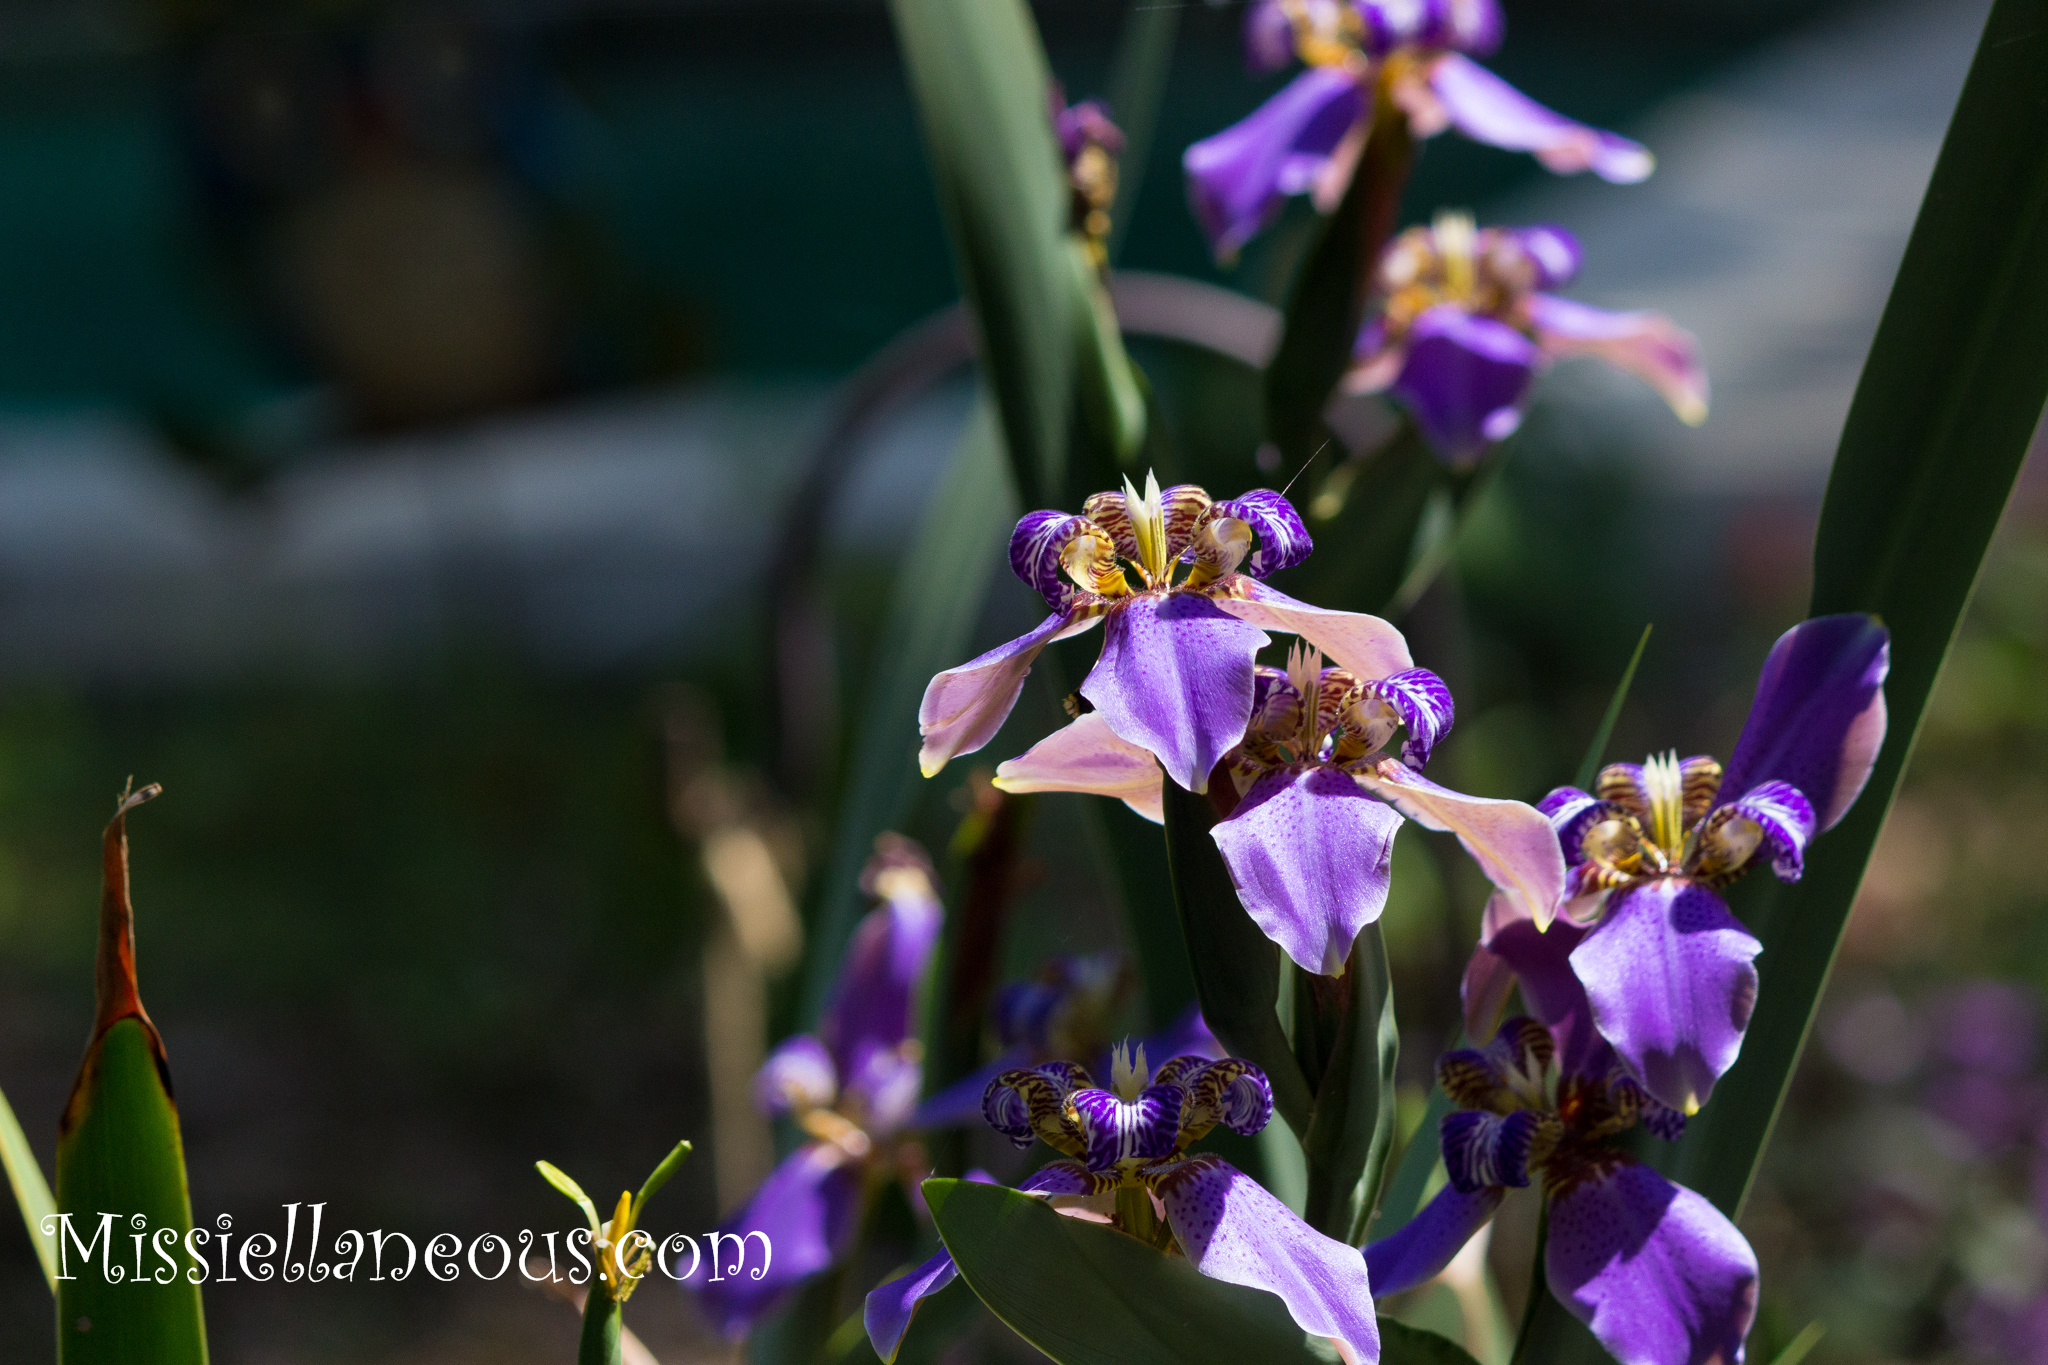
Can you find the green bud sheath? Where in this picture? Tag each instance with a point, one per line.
(118, 1152)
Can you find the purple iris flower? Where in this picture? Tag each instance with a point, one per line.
(1658, 1273)
(1091, 143)
(1465, 327)
(851, 1087)
(1316, 797)
(1126, 1150)
(1667, 967)
(1066, 1010)
(1175, 674)
(1409, 54)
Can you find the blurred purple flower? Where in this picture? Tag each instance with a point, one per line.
(1668, 968)
(1408, 55)
(1174, 679)
(1315, 800)
(1658, 1273)
(1131, 1142)
(851, 1088)
(1465, 328)
(1091, 144)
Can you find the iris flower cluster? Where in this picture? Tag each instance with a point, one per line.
(1637, 979)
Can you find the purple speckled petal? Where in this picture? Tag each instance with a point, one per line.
(871, 1012)
(1464, 380)
(964, 707)
(1554, 251)
(1088, 756)
(1510, 840)
(1551, 990)
(890, 1307)
(1818, 717)
(1035, 548)
(807, 1208)
(1649, 346)
(1425, 707)
(1122, 1136)
(1783, 814)
(1656, 1271)
(1420, 1250)
(1311, 855)
(1487, 109)
(1234, 1231)
(1175, 677)
(1571, 813)
(798, 1074)
(1671, 979)
(1283, 541)
(1364, 646)
(1238, 178)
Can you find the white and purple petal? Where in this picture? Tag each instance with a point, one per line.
(1647, 345)
(1784, 821)
(1123, 1135)
(964, 707)
(1424, 704)
(1510, 840)
(1671, 978)
(1482, 1150)
(1553, 251)
(1175, 678)
(1464, 379)
(1571, 813)
(1035, 549)
(799, 1074)
(1418, 1251)
(808, 1209)
(1268, 36)
(1487, 109)
(1283, 540)
(1657, 1272)
(1088, 756)
(1238, 178)
(1233, 1230)
(1362, 645)
(1818, 717)
(1311, 856)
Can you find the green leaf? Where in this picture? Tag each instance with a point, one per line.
(937, 597)
(1796, 1349)
(31, 1193)
(561, 1180)
(1111, 401)
(119, 1152)
(1589, 766)
(1086, 1294)
(659, 1177)
(1401, 1344)
(1328, 302)
(1417, 1165)
(1137, 83)
(1949, 398)
(1237, 968)
(979, 77)
(1353, 1127)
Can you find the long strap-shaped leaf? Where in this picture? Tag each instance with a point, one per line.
(1949, 397)
(930, 623)
(980, 79)
(31, 1192)
(119, 1157)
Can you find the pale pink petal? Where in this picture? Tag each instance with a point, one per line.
(1484, 991)
(1363, 645)
(1088, 756)
(964, 707)
(1511, 841)
(1649, 346)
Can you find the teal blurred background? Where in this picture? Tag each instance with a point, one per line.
(399, 411)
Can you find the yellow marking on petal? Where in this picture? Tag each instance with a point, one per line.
(1692, 1105)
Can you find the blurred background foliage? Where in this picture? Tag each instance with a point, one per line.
(397, 409)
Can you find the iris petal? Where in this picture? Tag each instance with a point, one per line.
(964, 707)
(1671, 977)
(1238, 178)
(1088, 756)
(1512, 843)
(806, 1209)
(1487, 109)
(1649, 346)
(1233, 1230)
(1175, 677)
(1362, 645)
(1819, 715)
(1420, 1250)
(1656, 1271)
(1311, 855)
(1464, 380)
